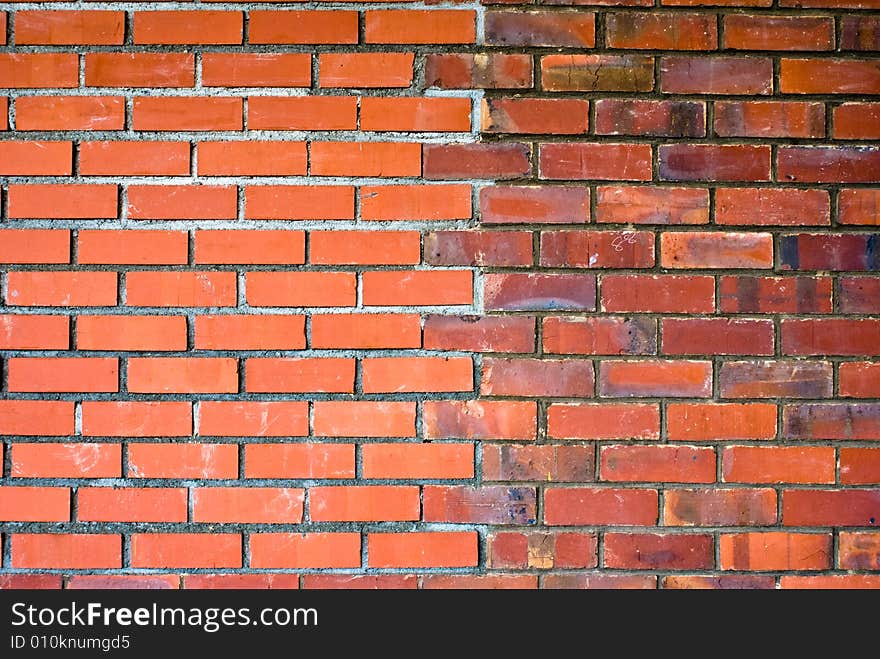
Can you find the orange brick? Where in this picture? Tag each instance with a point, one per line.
(74, 28)
(372, 159)
(422, 549)
(415, 202)
(302, 113)
(251, 505)
(604, 421)
(202, 461)
(252, 158)
(132, 246)
(69, 113)
(136, 419)
(375, 503)
(289, 202)
(41, 158)
(300, 289)
(38, 70)
(140, 70)
(431, 374)
(295, 375)
(720, 421)
(36, 417)
(51, 460)
(859, 466)
(34, 504)
(186, 113)
(307, 550)
(364, 419)
(131, 504)
(180, 289)
(432, 26)
(188, 27)
(140, 158)
(21, 332)
(245, 247)
(365, 247)
(418, 461)
(250, 332)
(365, 69)
(131, 333)
(299, 460)
(34, 246)
(415, 114)
(418, 288)
(253, 419)
(56, 201)
(303, 27)
(180, 375)
(775, 551)
(63, 374)
(512, 420)
(256, 69)
(677, 464)
(366, 331)
(778, 464)
(182, 202)
(66, 551)
(186, 550)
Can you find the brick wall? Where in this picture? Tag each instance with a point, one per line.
(558, 295)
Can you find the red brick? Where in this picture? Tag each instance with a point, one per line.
(480, 333)
(603, 421)
(543, 291)
(831, 336)
(62, 201)
(434, 26)
(599, 581)
(172, 202)
(188, 27)
(422, 374)
(365, 69)
(778, 464)
(300, 289)
(38, 70)
(658, 293)
(859, 294)
(180, 289)
(45, 460)
(541, 550)
(144, 158)
(512, 420)
(417, 288)
(364, 419)
(302, 113)
(509, 462)
(136, 419)
(186, 550)
(360, 581)
(769, 119)
(372, 159)
(716, 250)
(674, 464)
(859, 551)
(484, 505)
(134, 247)
(75, 551)
(299, 460)
(295, 375)
(141, 70)
(713, 162)
(857, 121)
(597, 73)
(772, 206)
(250, 332)
(719, 507)
(536, 377)
(831, 582)
(652, 205)
(40, 158)
(251, 505)
(652, 551)
(666, 378)
(859, 32)
(365, 331)
(253, 419)
(600, 507)
(626, 162)
(597, 249)
(575, 29)
(422, 549)
(478, 71)
(131, 333)
(283, 202)
(22, 332)
(831, 507)
(30, 582)
(249, 246)
(202, 461)
(62, 374)
(859, 466)
(775, 551)
(757, 32)
(468, 161)
(35, 504)
(534, 204)
(415, 202)
(241, 581)
(731, 582)
(829, 76)
(307, 550)
(859, 380)
(716, 75)
(720, 421)
(186, 113)
(415, 114)
(76, 28)
(374, 503)
(131, 504)
(69, 113)
(717, 336)
(479, 248)
(36, 417)
(534, 115)
(745, 294)
(606, 335)
(303, 27)
(655, 118)
(850, 421)
(661, 31)
(61, 288)
(256, 69)
(418, 461)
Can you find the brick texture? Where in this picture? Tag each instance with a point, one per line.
(460, 295)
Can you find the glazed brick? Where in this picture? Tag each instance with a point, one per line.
(666, 378)
(534, 28)
(600, 506)
(252, 158)
(256, 69)
(857, 121)
(131, 333)
(299, 460)
(652, 551)
(253, 419)
(828, 76)
(202, 461)
(59, 460)
(787, 33)
(365, 331)
(188, 27)
(625, 162)
(69, 113)
(479, 333)
(62, 201)
(720, 421)
(249, 247)
(186, 113)
(719, 507)
(536, 378)
(510, 462)
(597, 73)
(652, 205)
(303, 27)
(23, 332)
(716, 75)
(294, 375)
(418, 461)
(540, 291)
(141, 159)
(607, 335)
(661, 31)
(775, 379)
(775, 550)
(495, 505)
(769, 119)
(478, 248)
(859, 380)
(61, 288)
(597, 249)
(468, 161)
(364, 504)
(603, 421)
(478, 71)
(140, 70)
(650, 118)
(542, 550)
(62, 28)
(62, 374)
(511, 420)
(365, 69)
(716, 336)
(305, 550)
(778, 464)
(677, 464)
(534, 115)
(772, 206)
(415, 202)
(302, 113)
